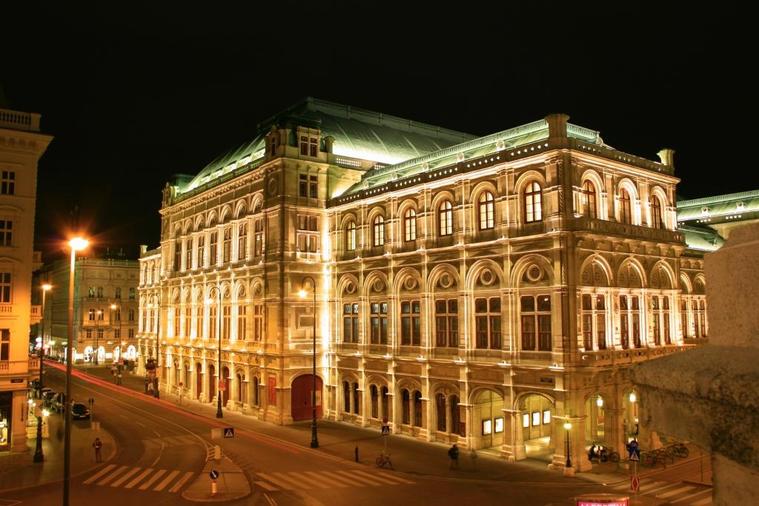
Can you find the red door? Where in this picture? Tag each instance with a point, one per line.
(301, 397)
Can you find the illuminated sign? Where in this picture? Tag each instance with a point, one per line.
(602, 500)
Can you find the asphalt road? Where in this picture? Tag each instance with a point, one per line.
(155, 436)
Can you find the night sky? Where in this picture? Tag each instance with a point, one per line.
(136, 94)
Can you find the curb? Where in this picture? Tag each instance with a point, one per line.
(201, 483)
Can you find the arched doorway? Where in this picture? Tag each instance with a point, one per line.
(537, 425)
(595, 422)
(198, 380)
(300, 397)
(225, 392)
(186, 380)
(211, 382)
(487, 419)
(241, 397)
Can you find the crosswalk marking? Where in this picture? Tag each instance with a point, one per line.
(152, 479)
(139, 478)
(181, 482)
(100, 473)
(265, 485)
(313, 481)
(330, 479)
(125, 477)
(107, 479)
(384, 479)
(371, 483)
(166, 481)
(275, 480)
(676, 491)
(706, 493)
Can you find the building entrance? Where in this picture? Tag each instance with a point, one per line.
(301, 397)
(487, 420)
(537, 426)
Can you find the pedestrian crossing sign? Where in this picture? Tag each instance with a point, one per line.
(229, 432)
(634, 457)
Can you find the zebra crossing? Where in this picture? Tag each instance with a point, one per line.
(159, 442)
(305, 480)
(138, 478)
(680, 493)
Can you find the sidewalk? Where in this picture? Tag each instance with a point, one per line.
(18, 470)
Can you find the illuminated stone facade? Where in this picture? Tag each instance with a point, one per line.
(21, 146)
(477, 290)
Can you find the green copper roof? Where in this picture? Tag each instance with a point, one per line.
(701, 239)
(481, 146)
(718, 207)
(358, 133)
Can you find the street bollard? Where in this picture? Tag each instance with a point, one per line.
(217, 452)
(213, 487)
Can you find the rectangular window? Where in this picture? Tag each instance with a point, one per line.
(131, 333)
(536, 418)
(378, 323)
(131, 293)
(525, 420)
(410, 323)
(177, 255)
(546, 417)
(212, 322)
(258, 322)
(226, 248)
(91, 315)
(175, 323)
(242, 241)
(6, 233)
(5, 344)
(313, 186)
(187, 321)
(91, 292)
(594, 321)
(226, 313)
(131, 315)
(536, 322)
(446, 323)
(117, 293)
(350, 323)
(188, 255)
(100, 333)
(5, 287)
(665, 320)
(200, 258)
(656, 317)
(88, 333)
(258, 241)
(8, 183)
(242, 322)
(302, 183)
(117, 334)
(487, 317)
(213, 258)
(304, 145)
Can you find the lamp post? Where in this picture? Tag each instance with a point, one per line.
(217, 323)
(115, 307)
(38, 455)
(156, 393)
(98, 315)
(76, 244)
(303, 294)
(568, 464)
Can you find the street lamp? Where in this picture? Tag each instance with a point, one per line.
(219, 395)
(38, 456)
(114, 307)
(76, 244)
(98, 315)
(567, 428)
(303, 294)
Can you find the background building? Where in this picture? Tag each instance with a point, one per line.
(479, 290)
(21, 146)
(105, 309)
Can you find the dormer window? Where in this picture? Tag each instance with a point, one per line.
(309, 146)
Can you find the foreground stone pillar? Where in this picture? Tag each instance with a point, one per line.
(709, 395)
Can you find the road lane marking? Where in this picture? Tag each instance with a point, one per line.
(139, 478)
(707, 492)
(265, 485)
(107, 479)
(100, 473)
(676, 491)
(314, 482)
(386, 479)
(371, 483)
(329, 479)
(663, 488)
(181, 482)
(169, 478)
(125, 477)
(152, 479)
(281, 483)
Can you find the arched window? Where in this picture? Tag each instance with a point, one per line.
(378, 238)
(355, 399)
(655, 204)
(445, 217)
(346, 397)
(417, 408)
(409, 225)
(405, 407)
(625, 207)
(440, 411)
(350, 236)
(487, 211)
(533, 207)
(589, 199)
(375, 401)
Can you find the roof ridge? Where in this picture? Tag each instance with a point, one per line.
(718, 198)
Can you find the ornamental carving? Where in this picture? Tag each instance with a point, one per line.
(445, 281)
(487, 277)
(410, 283)
(378, 286)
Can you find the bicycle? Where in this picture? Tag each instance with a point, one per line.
(680, 450)
(384, 460)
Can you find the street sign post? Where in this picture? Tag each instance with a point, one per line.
(229, 432)
(214, 474)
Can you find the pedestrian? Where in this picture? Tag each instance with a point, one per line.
(98, 445)
(473, 456)
(453, 453)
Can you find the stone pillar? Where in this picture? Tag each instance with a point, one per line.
(708, 395)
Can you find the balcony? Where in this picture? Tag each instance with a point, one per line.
(609, 357)
(15, 120)
(605, 227)
(20, 367)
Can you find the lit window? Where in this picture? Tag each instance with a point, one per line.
(533, 210)
(445, 218)
(379, 231)
(487, 318)
(625, 207)
(535, 418)
(487, 211)
(350, 236)
(536, 322)
(656, 218)
(350, 323)
(525, 420)
(589, 199)
(409, 225)
(410, 323)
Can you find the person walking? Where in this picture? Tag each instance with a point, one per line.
(98, 445)
(453, 453)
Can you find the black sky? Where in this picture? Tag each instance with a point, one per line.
(134, 94)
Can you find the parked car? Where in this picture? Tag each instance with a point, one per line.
(79, 411)
(43, 391)
(47, 396)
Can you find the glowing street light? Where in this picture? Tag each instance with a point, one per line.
(302, 293)
(567, 428)
(38, 455)
(75, 244)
